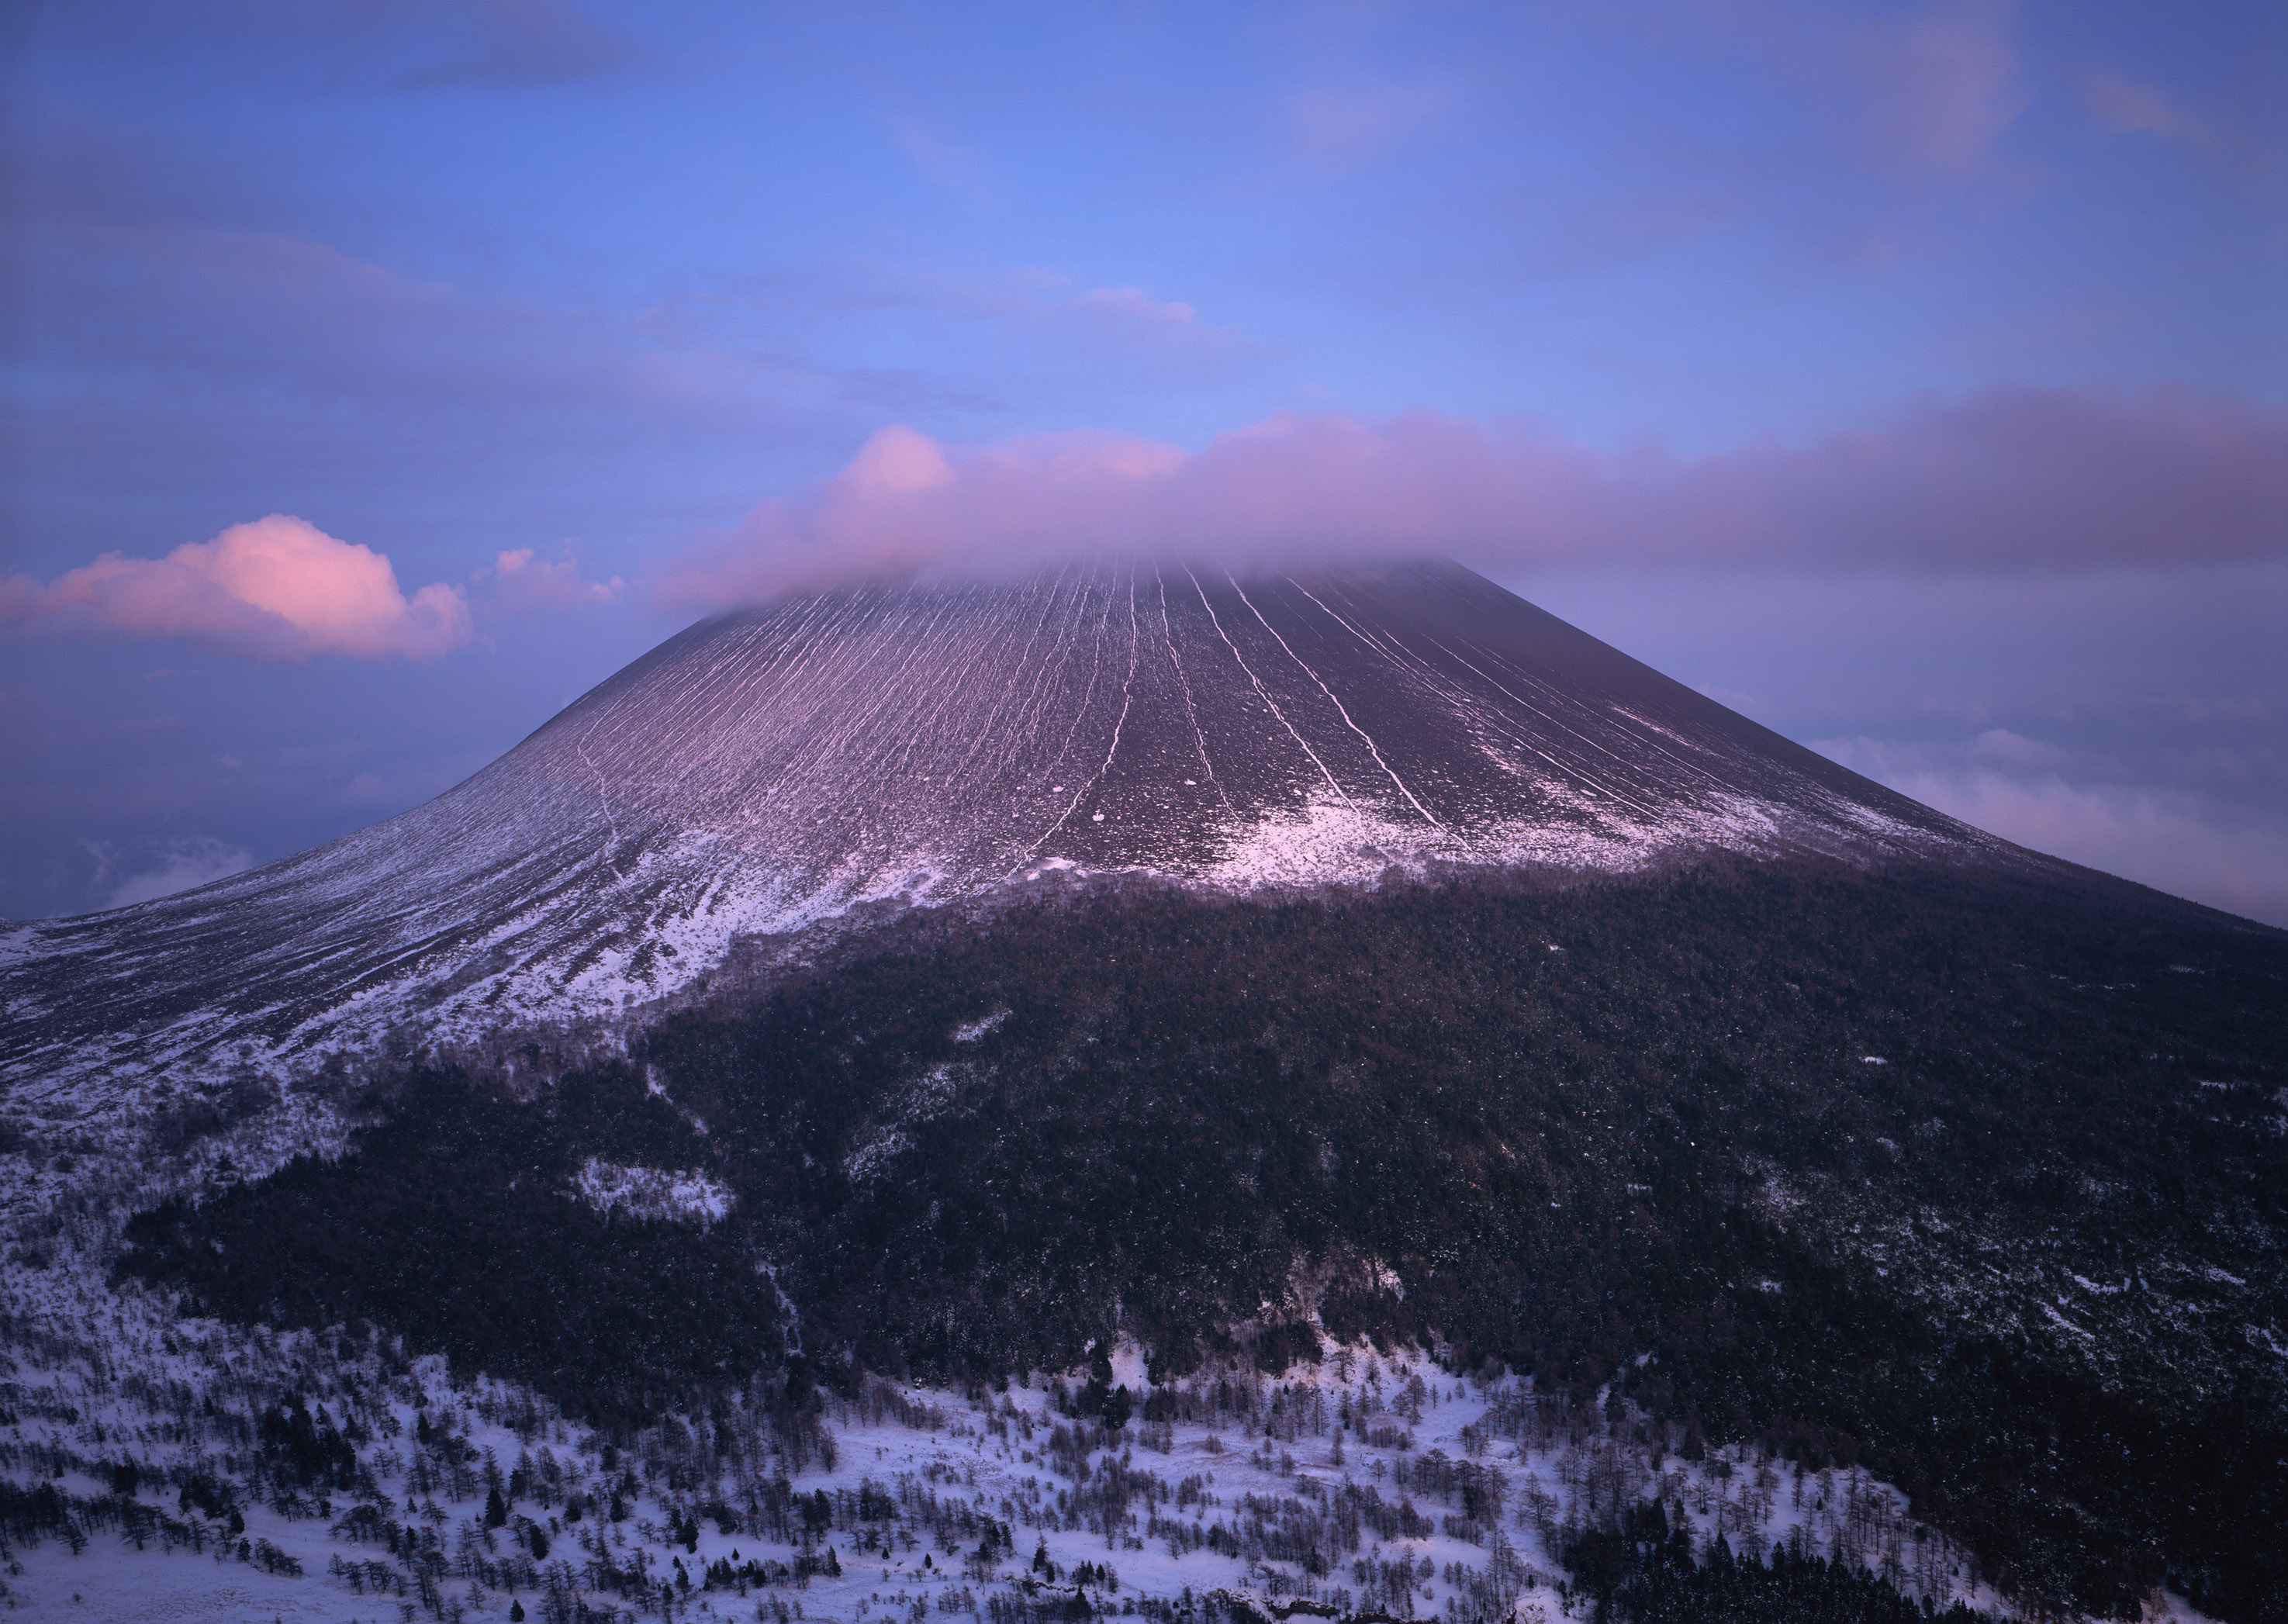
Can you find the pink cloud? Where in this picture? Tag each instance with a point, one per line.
(278, 589)
(2008, 479)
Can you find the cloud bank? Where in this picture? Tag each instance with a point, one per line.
(2007, 479)
(278, 589)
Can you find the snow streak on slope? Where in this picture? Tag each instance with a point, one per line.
(766, 772)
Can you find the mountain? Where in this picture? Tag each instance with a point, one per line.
(769, 770)
(1333, 1091)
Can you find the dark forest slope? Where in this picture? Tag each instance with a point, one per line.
(1976, 1178)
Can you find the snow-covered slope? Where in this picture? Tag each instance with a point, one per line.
(765, 771)
(1341, 1488)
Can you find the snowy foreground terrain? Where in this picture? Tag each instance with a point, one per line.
(158, 1467)
(170, 1469)
(1364, 1482)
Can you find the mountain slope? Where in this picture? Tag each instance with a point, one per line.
(1794, 1118)
(769, 769)
(1976, 1178)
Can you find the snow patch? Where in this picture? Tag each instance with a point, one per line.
(872, 1159)
(669, 1194)
(969, 1032)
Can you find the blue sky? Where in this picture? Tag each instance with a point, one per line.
(611, 288)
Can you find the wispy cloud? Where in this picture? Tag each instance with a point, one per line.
(177, 865)
(1359, 120)
(1136, 304)
(2129, 107)
(1940, 84)
(1923, 90)
(520, 579)
(368, 45)
(507, 43)
(941, 163)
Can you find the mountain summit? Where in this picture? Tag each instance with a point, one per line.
(767, 771)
